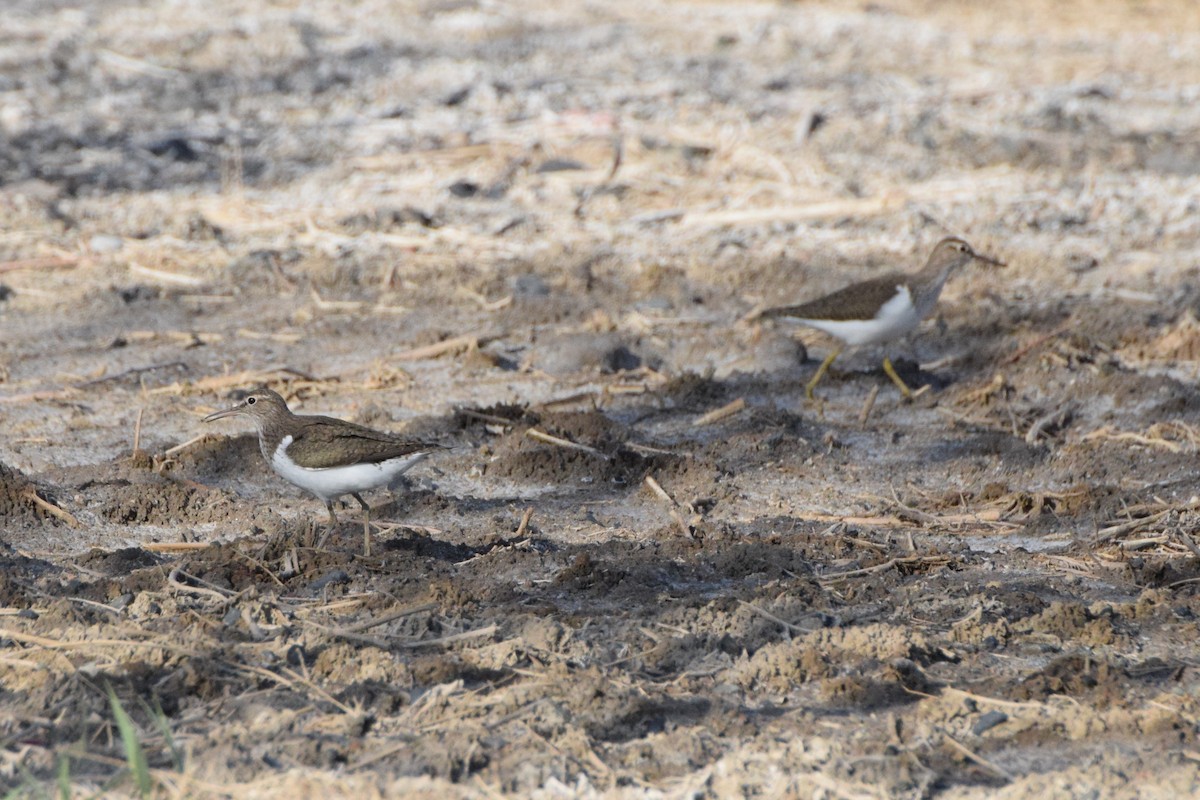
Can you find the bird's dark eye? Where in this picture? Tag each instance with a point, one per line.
(251, 401)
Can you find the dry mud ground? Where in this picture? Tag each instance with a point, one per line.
(474, 220)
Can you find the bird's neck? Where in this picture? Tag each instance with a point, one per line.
(929, 285)
(271, 431)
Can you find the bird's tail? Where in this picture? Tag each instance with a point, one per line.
(780, 311)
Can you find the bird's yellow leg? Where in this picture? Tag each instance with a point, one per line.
(812, 384)
(896, 379)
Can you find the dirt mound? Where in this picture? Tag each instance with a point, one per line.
(165, 502)
(606, 460)
(16, 499)
(220, 459)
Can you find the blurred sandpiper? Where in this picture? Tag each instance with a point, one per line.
(881, 309)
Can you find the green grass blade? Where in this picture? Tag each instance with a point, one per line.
(135, 756)
(159, 716)
(64, 777)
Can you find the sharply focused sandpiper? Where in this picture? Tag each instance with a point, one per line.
(324, 456)
(881, 309)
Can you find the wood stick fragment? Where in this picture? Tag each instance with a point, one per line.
(1113, 531)
(342, 633)
(865, 413)
(995, 701)
(1055, 417)
(1037, 341)
(483, 302)
(1188, 542)
(654, 486)
(397, 310)
(718, 414)
(387, 526)
(163, 276)
(58, 644)
(42, 262)
(524, 524)
(1142, 544)
(205, 588)
(568, 400)
(752, 316)
(289, 338)
(884, 567)
(492, 418)
(335, 305)
(446, 346)
(37, 397)
(407, 611)
(663, 215)
(626, 388)
(458, 637)
(137, 429)
(768, 615)
(174, 547)
(970, 755)
(139, 66)
(864, 207)
(988, 515)
(1175, 437)
(542, 436)
(637, 447)
(179, 448)
(31, 495)
(672, 506)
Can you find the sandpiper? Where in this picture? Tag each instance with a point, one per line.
(324, 456)
(881, 309)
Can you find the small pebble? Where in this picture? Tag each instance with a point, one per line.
(105, 243)
(338, 576)
(1081, 262)
(530, 285)
(122, 602)
(988, 721)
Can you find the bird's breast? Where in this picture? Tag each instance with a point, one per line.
(894, 319)
(330, 482)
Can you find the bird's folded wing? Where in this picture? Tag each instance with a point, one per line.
(858, 301)
(325, 446)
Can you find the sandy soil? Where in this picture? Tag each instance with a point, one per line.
(476, 220)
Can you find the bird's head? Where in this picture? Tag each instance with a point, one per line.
(259, 405)
(952, 252)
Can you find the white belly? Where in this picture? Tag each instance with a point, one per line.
(895, 318)
(334, 482)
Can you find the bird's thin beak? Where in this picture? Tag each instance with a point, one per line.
(988, 260)
(229, 412)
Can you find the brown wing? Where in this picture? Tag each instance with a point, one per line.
(856, 301)
(325, 442)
